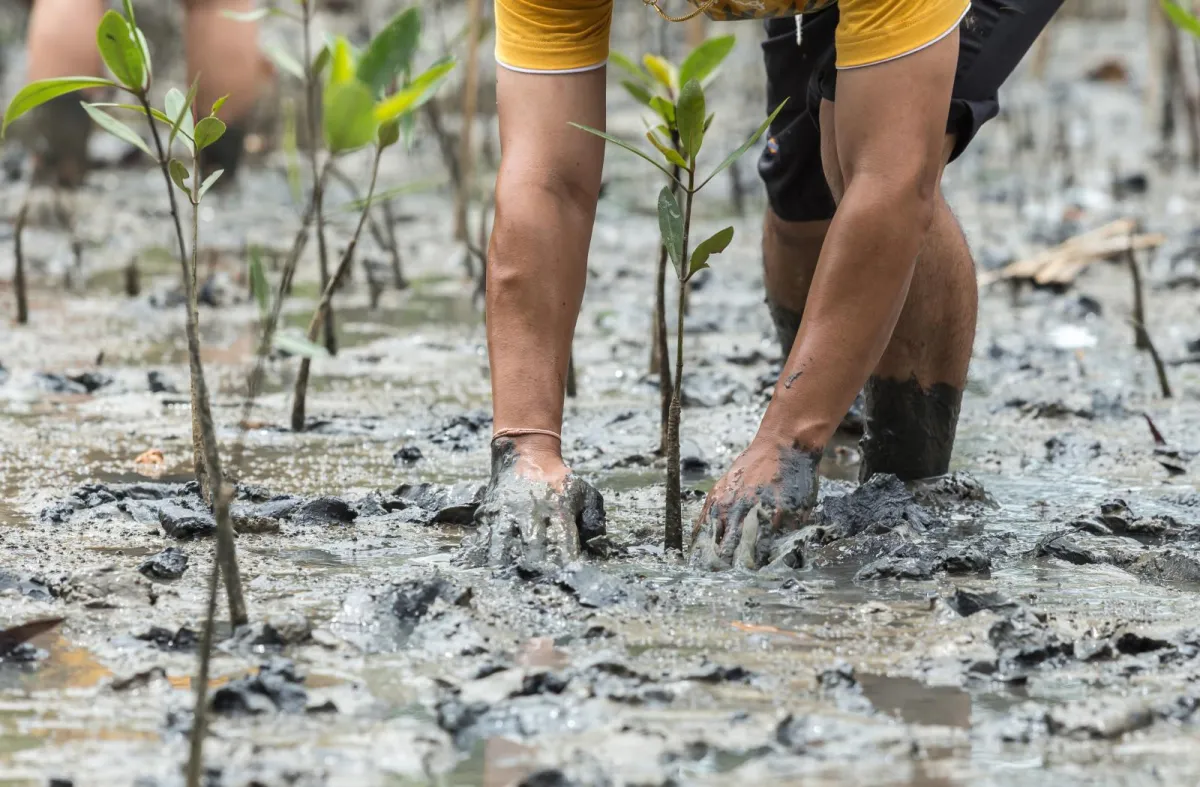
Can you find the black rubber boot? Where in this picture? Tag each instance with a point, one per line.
(224, 154)
(908, 430)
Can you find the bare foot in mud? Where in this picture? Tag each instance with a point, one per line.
(535, 512)
(771, 489)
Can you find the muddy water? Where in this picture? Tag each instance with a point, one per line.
(1081, 672)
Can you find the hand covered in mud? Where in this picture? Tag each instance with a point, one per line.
(770, 489)
(535, 511)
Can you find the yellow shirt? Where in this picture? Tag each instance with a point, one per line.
(561, 36)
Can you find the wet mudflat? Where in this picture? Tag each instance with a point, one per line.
(1031, 619)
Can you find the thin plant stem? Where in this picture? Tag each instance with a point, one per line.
(255, 380)
(191, 330)
(466, 153)
(1142, 339)
(314, 131)
(195, 765)
(660, 354)
(19, 272)
(674, 513)
(321, 314)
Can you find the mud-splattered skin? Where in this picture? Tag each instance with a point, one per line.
(767, 492)
(908, 430)
(529, 521)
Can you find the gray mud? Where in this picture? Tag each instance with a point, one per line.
(1028, 619)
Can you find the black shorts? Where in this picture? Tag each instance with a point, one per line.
(993, 37)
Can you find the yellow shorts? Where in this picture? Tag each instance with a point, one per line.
(562, 36)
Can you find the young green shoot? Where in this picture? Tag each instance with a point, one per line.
(655, 85)
(359, 112)
(675, 226)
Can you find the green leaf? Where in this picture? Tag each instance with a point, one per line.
(1182, 18)
(639, 91)
(179, 107)
(628, 66)
(349, 115)
(180, 174)
(664, 108)
(383, 196)
(128, 5)
(121, 50)
(389, 134)
(735, 155)
(37, 93)
(669, 153)
(158, 115)
(321, 61)
(284, 61)
(662, 71)
(622, 144)
(208, 131)
(208, 183)
(220, 102)
(689, 117)
(708, 121)
(248, 16)
(704, 59)
(670, 226)
(294, 344)
(390, 53)
(341, 69)
(145, 49)
(258, 283)
(116, 128)
(416, 94)
(715, 244)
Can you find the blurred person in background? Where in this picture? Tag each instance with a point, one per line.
(62, 42)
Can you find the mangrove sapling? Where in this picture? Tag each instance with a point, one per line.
(311, 76)
(655, 86)
(357, 114)
(675, 227)
(123, 48)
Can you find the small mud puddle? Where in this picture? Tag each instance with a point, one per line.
(913, 702)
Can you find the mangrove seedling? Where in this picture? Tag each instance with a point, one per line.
(655, 85)
(675, 226)
(123, 48)
(357, 114)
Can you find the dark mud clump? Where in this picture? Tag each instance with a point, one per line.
(427, 611)
(445, 505)
(171, 563)
(277, 687)
(82, 383)
(324, 511)
(29, 585)
(182, 639)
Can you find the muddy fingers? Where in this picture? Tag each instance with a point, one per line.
(529, 519)
(769, 491)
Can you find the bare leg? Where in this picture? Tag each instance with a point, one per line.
(62, 38)
(913, 395)
(62, 42)
(546, 195)
(882, 151)
(224, 53)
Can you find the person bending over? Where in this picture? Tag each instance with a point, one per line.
(869, 279)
